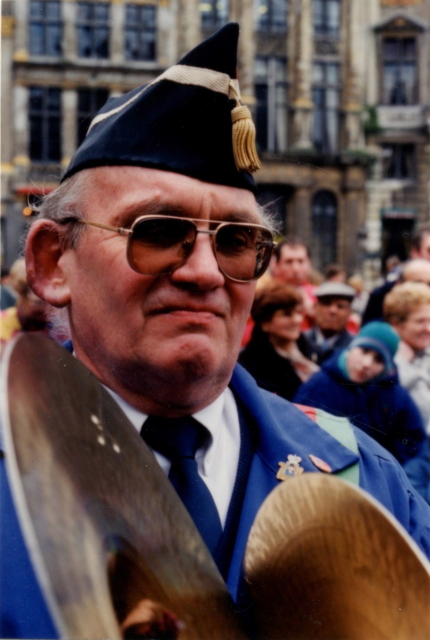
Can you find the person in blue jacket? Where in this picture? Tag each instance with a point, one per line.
(153, 243)
(361, 383)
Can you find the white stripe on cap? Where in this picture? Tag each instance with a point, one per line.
(183, 74)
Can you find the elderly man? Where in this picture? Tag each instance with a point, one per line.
(332, 310)
(153, 243)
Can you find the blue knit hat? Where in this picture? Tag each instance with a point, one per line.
(189, 120)
(380, 337)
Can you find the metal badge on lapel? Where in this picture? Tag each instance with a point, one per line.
(290, 468)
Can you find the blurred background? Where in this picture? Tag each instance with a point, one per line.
(339, 90)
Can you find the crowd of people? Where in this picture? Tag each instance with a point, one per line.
(319, 345)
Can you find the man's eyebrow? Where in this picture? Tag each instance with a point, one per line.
(129, 214)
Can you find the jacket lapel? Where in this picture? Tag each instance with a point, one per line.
(283, 430)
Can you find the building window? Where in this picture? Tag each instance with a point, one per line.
(140, 32)
(324, 229)
(271, 94)
(399, 71)
(271, 15)
(45, 124)
(326, 17)
(398, 161)
(325, 95)
(214, 13)
(45, 28)
(93, 29)
(90, 101)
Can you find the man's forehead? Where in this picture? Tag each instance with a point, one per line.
(125, 193)
(418, 274)
(296, 251)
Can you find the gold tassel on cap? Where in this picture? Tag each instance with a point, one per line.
(244, 150)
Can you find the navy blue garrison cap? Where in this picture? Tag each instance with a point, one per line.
(189, 120)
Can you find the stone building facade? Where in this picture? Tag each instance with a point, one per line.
(312, 71)
(398, 99)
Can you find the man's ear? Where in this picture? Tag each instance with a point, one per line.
(44, 260)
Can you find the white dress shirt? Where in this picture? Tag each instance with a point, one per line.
(218, 462)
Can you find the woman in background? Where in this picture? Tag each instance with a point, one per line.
(407, 309)
(277, 353)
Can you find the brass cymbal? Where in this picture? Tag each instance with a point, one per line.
(325, 561)
(109, 538)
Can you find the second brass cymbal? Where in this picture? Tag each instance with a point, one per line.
(325, 561)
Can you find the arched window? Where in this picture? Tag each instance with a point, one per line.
(324, 229)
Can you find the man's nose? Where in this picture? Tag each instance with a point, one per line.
(201, 267)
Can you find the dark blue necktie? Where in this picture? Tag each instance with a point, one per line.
(178, 440)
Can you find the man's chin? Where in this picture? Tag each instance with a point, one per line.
(194, 358)
(189, 380)
(198, 358)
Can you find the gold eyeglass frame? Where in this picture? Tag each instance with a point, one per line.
(212, 232)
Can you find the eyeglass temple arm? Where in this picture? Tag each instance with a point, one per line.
(120, 230)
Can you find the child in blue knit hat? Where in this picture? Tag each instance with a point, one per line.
(361, 383)
(370, 354)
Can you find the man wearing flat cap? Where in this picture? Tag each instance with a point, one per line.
(332, 310)
(153, 243)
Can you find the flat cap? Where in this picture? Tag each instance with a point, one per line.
(336, 289)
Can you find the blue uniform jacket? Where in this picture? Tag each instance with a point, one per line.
(283, 430)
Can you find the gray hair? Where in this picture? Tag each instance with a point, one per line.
(269, 219)
(63, 205)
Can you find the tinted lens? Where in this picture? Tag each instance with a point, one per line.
(243, 252)
(159, 245)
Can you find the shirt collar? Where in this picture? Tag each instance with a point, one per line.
(210, 417)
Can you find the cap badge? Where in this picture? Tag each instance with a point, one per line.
(290, 468)
(320, 464)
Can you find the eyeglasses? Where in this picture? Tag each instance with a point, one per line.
(158, 245)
